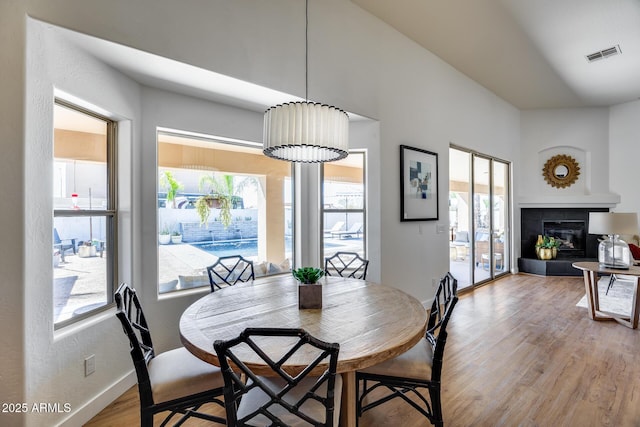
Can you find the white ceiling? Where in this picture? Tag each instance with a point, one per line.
(529, 52)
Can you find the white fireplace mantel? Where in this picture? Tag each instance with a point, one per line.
(608, 200)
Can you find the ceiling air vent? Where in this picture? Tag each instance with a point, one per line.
(605, 53)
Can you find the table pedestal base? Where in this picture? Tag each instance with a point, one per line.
(593, 302)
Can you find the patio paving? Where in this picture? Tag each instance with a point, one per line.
(79, 283)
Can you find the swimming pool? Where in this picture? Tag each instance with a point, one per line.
(244, 247)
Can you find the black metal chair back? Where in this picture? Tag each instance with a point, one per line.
(444, 300)
(392, 376)
(346, 264)
(230, 270)
(278, 405)
(135, 327)
(129, 312)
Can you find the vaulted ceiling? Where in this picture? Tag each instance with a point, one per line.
(532, 53)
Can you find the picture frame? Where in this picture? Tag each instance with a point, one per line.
(418, 184)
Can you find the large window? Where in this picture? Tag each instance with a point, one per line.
(343, 191)
(219, 198)
(84, 203)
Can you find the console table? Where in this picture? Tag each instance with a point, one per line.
(590, 271)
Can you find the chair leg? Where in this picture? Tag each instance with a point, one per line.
(358, 404)
(436, 406)
(146, 418)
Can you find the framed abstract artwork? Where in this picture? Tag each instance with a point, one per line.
(418, 184)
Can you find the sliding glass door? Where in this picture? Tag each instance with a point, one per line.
(478, 217)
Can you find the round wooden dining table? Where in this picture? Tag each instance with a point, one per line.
(371, 322)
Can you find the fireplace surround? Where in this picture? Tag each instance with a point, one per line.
(570, 225)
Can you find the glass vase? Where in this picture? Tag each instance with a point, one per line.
(614, 253)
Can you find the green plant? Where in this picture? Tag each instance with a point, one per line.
(169, 183)
(203, 210)
(176, 233)
(549, 242)
(220, 188)
(308, 275)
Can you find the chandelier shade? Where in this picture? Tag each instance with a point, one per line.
(307, 132)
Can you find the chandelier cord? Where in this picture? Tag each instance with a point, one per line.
(306, 132)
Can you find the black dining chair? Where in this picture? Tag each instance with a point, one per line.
(174, 381)
(346, 264)
(230, 270)
(285, 398)
(419, 368)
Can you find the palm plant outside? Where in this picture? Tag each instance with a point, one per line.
(169, 183)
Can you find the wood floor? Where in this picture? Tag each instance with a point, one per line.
(519, 353)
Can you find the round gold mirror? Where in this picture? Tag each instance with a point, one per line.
(561, 171)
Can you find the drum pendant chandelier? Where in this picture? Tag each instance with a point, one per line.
(307, 132)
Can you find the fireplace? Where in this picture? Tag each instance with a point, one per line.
(570, 226)
(572, 235)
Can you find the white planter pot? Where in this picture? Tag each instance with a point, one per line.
(164, 239)
(176, 239)
(86, 251)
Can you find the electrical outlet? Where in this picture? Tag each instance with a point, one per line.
(89, 365)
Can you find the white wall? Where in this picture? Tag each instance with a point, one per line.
(582, 133)
(55, 359)
(417, 99)
(12, 186)
(624, 154)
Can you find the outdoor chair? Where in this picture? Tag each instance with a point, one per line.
(346, 264)
(419, 368)
(461, 245)
(336, 227)
(175, 380)
(230, 270)
(355, 229)
(286, 398)
(63, 245)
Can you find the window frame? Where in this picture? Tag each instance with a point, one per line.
(110, 213)
(239, 144)
(363, 211)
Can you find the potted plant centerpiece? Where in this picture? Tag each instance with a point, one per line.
(547, 248)
(309, 292)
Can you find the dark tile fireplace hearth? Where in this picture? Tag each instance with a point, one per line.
(570, 226)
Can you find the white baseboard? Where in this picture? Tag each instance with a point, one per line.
(94, 406)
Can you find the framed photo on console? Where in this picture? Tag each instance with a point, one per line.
(418, 184)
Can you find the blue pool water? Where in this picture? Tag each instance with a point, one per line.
(244, 247)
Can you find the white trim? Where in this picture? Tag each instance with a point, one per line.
(90, 409)
(590, 201)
